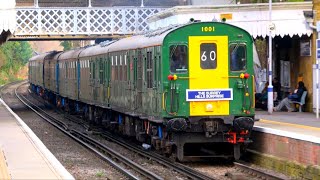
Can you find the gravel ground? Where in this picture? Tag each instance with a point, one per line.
(79, 161)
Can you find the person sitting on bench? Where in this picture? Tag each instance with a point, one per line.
(296, 96)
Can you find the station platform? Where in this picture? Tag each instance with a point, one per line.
(287, 142)
(22, 154)
(298, 125)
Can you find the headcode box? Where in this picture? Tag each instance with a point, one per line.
(209, 94)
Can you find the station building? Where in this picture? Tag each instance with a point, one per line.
(293, 36)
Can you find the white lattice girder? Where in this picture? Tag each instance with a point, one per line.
(79, 21)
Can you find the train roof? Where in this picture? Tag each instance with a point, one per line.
(149, 39)
(71, 54)
(44, 56)
(138, 41)
(152, 38)
(39, 56)
(94, 50)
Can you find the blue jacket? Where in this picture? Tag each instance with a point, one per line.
(297, 96)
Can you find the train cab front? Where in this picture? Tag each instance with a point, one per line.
(209, 93)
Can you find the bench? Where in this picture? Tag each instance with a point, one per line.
(302, 100)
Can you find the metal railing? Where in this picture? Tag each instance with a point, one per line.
(82, 21)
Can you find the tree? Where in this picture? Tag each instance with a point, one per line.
(67, 45)
(13, 56)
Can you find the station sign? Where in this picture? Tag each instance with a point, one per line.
(209, 94)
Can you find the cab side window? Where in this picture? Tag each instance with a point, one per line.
(238, 57)
(178, 59)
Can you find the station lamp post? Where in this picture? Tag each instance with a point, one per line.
(89, 3)
(270, 87)
(35, 3)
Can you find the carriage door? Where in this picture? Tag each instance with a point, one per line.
(57, 76)
(106, 64)
(78, 76)
(139, 80)
(132, 83)
(92, 77)
(96, 78)
(100, 80)
(208, 92)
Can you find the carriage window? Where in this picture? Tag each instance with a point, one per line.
(178, 59)
(208, 55)
(238, 59)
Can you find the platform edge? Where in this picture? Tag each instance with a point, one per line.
(44, 150)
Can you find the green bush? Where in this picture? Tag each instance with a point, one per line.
(13, 56)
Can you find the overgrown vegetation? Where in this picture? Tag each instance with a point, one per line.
(13, 58)
(100, 174)
(67, 45)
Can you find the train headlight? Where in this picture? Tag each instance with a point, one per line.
(209, 107)
(175, 77)
(246, 75)
(170, 77)
(241, 75)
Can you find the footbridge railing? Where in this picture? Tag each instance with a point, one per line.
(64, 23)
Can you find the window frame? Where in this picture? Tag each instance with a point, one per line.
(186, 58)
(246, 56)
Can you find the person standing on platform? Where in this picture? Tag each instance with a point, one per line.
(262, 98)
(296, 96)
(277, 88)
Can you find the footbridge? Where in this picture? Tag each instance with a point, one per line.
(62, 23)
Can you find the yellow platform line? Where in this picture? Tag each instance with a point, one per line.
(4, 173)
(289, 124)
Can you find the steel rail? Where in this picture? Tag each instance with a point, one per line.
(64, 130)
(117, 155)
(183, 169)
(258, 172)
(178, 167)
(6, 85)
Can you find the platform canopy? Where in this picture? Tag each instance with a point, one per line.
(287, 18)
(7, 15)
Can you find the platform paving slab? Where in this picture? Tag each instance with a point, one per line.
(23, 152)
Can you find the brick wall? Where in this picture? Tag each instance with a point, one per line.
(306, 153)
(296, 158)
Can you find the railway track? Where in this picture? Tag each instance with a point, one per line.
(107, 153)
(91, 145)
(115, 159)
(246, 170)
(187, 171)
